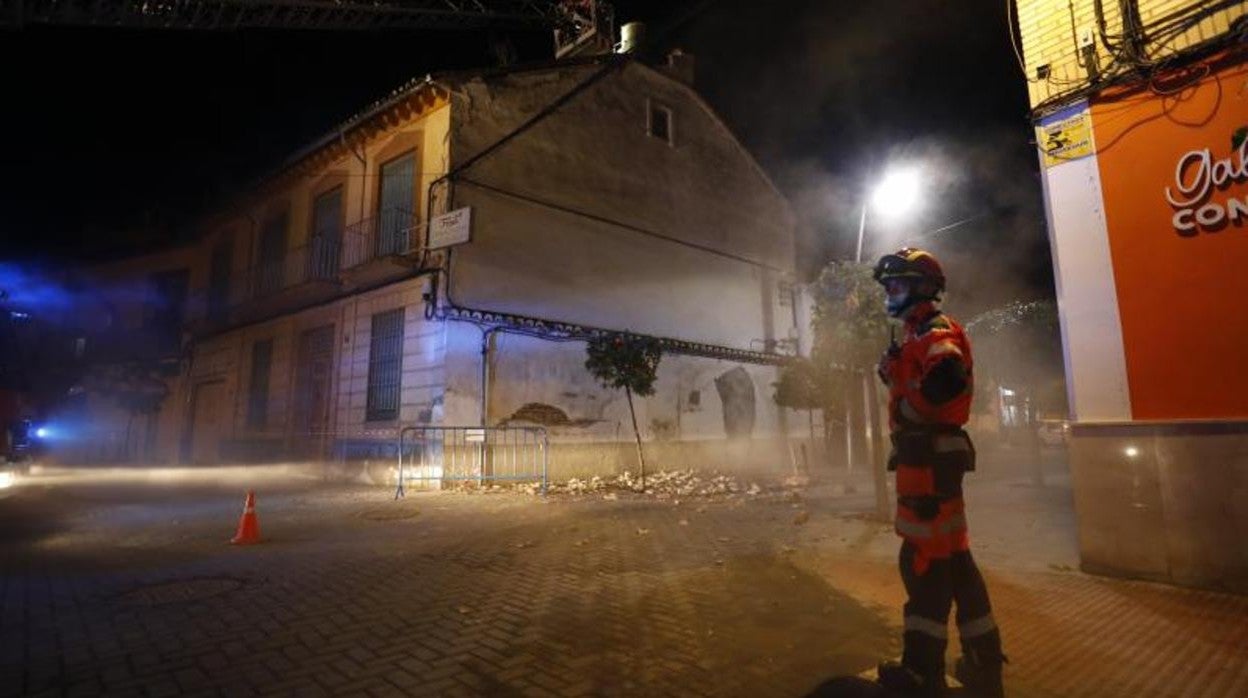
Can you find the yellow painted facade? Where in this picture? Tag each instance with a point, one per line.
(353, 162)
(355, 167)
(1054, 31)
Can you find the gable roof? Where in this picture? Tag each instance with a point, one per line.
(432, 83)
(719, 123)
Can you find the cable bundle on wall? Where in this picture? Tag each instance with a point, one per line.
(1138, 54)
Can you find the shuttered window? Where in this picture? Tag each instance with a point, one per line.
(326, 234)
(270, 274)
(258, 387)
(385, 366)
(659, 122)
(396, 205)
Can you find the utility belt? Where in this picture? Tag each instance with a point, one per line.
(946, 448)
(926, 508)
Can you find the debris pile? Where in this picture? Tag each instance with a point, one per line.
(665, 484)
(578, 486)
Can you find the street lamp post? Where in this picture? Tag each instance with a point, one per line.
(895, 194)
(862, 227)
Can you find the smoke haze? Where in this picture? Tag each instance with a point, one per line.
(827, 95)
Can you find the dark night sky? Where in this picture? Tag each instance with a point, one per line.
(116, 136)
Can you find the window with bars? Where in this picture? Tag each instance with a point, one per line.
(385, 366)
(258, 387)
(396, 204)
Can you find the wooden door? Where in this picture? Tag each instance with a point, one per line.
(313, 382)
(208, 412)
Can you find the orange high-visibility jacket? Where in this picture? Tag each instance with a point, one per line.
(924, 388)
(930, 389)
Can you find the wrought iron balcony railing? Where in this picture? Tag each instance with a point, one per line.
(316, 261)
(393, 232)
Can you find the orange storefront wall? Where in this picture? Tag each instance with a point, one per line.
(1182, 285)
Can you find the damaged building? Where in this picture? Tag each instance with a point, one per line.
(441, 258)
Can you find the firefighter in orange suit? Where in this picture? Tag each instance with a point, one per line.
(929, 389)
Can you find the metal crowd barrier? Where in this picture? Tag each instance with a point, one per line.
(481, 454)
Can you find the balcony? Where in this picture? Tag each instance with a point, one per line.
(382, 247)
(304, 276)
(371, 252)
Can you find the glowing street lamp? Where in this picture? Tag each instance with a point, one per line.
(894, 195)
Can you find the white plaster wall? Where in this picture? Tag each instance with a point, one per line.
(1096, 371)
(424, 347)
(463, 375)
(527, 369)
(586, 218)
(546, 264)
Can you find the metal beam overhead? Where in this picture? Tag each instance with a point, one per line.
(333, 15)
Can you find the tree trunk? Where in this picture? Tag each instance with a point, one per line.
(849, 452)
(857, 446)
(883, 507)
(814, 448)
(637, 434)
(829, 441)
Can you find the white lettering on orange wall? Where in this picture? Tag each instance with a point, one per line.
(1196, 175)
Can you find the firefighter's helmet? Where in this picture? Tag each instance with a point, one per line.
(910, 263)
(924, 278)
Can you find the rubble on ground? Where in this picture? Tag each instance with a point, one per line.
(665, 484)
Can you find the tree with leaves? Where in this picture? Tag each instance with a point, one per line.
(850, 323)
(804, 385)
(628, 361)
(850, 330)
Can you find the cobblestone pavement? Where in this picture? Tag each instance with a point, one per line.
(127, 588)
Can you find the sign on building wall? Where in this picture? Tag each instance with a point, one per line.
(1174, 177)
(451, 228)
(1066, 135)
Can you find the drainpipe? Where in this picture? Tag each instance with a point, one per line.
(342, 136)
(487, 340)
(487, 345)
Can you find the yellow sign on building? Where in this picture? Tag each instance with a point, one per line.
(1065, 136)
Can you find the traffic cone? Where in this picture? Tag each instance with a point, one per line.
(248, 525)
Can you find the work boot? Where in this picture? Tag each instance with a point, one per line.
(981, 676)
(907, 681)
